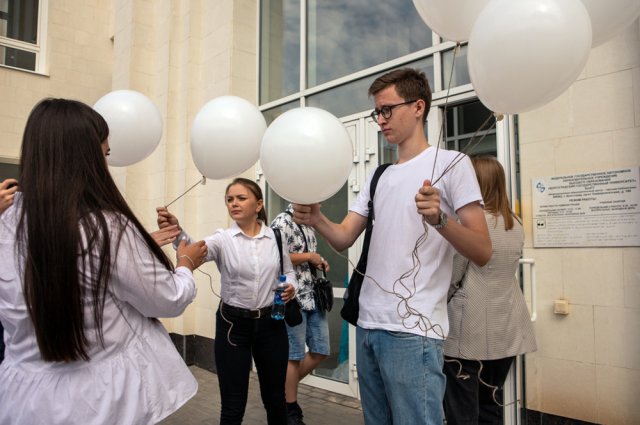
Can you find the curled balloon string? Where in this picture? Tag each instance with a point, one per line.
(220, 307)
(421, 321)
(203, 180)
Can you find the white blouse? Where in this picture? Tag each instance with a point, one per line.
(249, 266)
(138, 377)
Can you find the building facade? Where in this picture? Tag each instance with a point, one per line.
(284, 54)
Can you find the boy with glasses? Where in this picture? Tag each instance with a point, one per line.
(403, 303)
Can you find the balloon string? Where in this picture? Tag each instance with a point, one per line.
(203, 180)
(444, 113)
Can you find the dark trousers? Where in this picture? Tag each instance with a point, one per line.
(266, 340)
(467, 400)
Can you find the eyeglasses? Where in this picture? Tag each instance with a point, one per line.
(386, 110)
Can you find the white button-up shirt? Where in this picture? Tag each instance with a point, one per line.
(249, 266)
(136, 377)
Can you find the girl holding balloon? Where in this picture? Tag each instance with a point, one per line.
(249, 263)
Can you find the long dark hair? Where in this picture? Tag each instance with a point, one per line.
(493, 186)
(63, 232)
(253, 188)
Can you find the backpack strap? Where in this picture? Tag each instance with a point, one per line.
(304, 236)
(276, 232)
(312, 269)
(372, 192)
(362, 264)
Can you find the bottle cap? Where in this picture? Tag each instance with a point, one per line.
(282, 278)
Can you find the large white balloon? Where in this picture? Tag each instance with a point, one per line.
(226, 136)
(451, 19)
(135, 126)
(608, 17)
(523, 54)
(306, 155)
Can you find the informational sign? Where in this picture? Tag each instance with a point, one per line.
(587, 210)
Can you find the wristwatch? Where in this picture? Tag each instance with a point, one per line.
(442, 222)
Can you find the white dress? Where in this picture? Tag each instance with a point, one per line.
(138, 377)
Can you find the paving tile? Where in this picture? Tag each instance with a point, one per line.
(320, 406)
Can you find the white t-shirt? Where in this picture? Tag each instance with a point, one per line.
(397, 228)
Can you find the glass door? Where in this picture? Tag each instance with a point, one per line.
(338, 372)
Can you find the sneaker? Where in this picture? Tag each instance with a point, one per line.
(294, 417)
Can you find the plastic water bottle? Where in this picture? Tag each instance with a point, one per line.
(277, 310)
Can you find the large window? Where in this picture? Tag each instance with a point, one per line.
(279, 49)
(21, 41)
(307, 47)
(344, 37)
(8, 169)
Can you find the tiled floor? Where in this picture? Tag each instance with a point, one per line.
(320, 407)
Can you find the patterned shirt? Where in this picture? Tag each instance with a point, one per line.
(295, 240)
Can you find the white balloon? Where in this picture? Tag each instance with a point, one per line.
(451, 19)
(135, 126)
(306, 155)
(226, 136)
(608, 17)
(523, 54)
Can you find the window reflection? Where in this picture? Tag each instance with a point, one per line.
(17, 58)
(19, 20)
(352, 97)
(345, 37)
(273, 113)
(463, 124)
(279, 49)
(460, 72)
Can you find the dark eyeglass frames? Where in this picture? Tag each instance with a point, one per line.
(386, 110)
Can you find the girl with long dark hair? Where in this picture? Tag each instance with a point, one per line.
(81, 282)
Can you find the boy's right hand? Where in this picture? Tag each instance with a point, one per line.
(306, 214)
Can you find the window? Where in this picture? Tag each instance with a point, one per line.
(329, 42)
(8, 169)
(460, 73)
(464, 124)
(21, 40)
(346, 37)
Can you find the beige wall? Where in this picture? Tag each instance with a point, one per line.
(179, 53)
(80, 67)
(182, 54)
(587, 363)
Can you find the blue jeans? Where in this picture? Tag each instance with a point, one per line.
(400, 377)
(314, 330)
